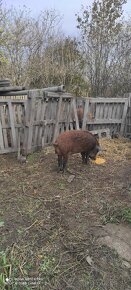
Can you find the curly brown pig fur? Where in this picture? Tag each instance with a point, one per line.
(76, 141)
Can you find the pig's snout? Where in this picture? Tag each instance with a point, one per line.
(94, 152)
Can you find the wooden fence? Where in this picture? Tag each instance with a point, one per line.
(105, 112)
(39, 119)
(12, 114)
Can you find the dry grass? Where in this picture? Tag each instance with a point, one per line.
(117, 149)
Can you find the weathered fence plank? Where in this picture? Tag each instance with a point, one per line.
(30, 112)
(1, 138)
(85, 117)
(127, 131)
(57, 120)
(124, 117)
(12, 125)
(107, 100)
(38, 116)
(68, 123)
(75, 113)
(105, 121)
(43, 109)
(4, 127)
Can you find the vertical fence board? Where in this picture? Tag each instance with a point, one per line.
(47, 132)
(127, 132)
(52, 120)
(1, 138)
(3, 125)
(29, 118)
(124, 117)
(98, 110)
(43, 110)
(12, 124)
(106, 111)
(69, 115)
(85, 118)
(75, 114)
(38, 117)
(57, 119)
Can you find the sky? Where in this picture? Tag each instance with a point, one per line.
(66, 8)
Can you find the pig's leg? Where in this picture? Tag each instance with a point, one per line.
(83, 157)
(64, 162)
(86, 157)
(60, 164)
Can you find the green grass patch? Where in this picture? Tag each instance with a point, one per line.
(112, 214)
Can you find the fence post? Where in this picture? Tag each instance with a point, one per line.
(124, 117)
(1, 137)
(127, 131)
(57, 119)
(12, 124)
(85, 114)
(29, 118)
(75, 113)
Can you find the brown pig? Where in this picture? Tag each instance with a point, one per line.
(75, 141)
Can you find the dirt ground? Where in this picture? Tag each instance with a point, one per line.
(48, 224)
